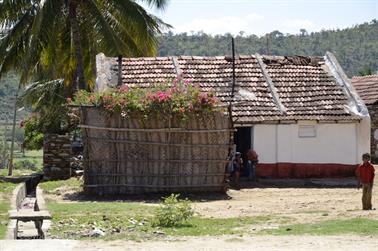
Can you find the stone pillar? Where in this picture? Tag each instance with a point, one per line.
(56, 156)
(373, 112)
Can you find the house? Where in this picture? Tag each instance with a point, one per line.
(367, 88)
(304, 118)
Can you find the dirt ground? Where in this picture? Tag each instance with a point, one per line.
(223, 243)
(287, 205)
(290, 204)
(298, 205)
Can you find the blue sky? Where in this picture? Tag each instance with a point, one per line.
(262, 16)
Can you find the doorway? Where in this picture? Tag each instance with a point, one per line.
(243, 141)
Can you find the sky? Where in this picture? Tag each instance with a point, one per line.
(263, 16)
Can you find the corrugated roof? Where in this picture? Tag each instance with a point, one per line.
(304, 86)
(367, 88)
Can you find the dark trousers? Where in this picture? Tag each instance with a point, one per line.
(367, 189)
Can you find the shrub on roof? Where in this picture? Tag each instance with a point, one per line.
(176, 98)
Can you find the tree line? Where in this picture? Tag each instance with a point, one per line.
(356, 48)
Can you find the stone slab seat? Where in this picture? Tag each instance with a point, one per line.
(30, 215)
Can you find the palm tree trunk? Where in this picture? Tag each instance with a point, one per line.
(77, 41)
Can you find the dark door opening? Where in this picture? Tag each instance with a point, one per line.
(243, 142)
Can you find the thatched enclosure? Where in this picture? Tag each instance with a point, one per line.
(133, 156)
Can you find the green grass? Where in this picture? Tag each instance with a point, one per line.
(359, 226)
(35, 157)
(214, 227)
(50, 187)
(132, 220)
(5, 194)
(73, 220)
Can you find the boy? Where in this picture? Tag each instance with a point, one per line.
(253, 159)
(237, 165)
(365, 176)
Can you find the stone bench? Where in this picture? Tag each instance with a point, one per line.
(26, 215)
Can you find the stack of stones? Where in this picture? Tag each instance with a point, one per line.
(373, 112)
(56, 157)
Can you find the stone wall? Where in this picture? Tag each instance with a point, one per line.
(373, 111)
(56, 157)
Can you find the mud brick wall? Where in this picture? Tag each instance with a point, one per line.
(56, 157)
(373, 111)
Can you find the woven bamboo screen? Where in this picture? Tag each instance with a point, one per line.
(132, 156)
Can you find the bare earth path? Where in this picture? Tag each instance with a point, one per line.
(297, 205)
(263, 243)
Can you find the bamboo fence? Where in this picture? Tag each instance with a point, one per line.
(133, 156)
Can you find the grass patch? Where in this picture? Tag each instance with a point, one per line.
(51, 187)
(133, 221)
(6, 190)
(35, 157)
(359, 226)
(214, 227)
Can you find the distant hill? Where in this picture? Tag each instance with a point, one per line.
(8, 89)
(356, 48)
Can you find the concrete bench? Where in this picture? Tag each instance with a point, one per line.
(30, 215)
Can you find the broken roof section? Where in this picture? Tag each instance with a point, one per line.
(367, 88)
(284, 88)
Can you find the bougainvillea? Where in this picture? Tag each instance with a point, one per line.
(177, 98)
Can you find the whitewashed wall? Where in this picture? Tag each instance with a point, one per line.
(341, 143)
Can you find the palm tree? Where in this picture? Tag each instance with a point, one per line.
(50, 39)
(46, 40)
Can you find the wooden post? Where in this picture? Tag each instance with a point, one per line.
(10, 164)
(119, 70)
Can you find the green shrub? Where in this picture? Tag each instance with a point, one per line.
(173, 212)
(33, 137)
(26, 164)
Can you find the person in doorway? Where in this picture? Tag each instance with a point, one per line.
(237, 165)
(365, 177)
(253, 159)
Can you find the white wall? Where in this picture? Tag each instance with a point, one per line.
(341, 143)
(264, 142)
(363, 137)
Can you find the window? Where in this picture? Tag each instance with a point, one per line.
(307, 131)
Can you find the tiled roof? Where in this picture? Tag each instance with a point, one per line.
(306, 89)
(367, 88)
(304, 86)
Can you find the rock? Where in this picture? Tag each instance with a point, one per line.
(97, 233)
(116, 230)
(159, 232)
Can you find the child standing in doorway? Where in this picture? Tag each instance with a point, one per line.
(365, 177)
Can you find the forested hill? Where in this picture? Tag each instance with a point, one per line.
(356, 48)
(8, 90)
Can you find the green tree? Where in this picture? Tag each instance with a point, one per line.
(365, 71)
(51, 39)
(45, 40)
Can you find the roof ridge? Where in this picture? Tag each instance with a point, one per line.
(271, 86)
(367, 76)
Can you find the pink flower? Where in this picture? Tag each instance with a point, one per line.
(187, 82)
(69, 100)
(203, 97)
(124, 88)
(163, 96)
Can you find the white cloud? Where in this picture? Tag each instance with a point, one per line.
(221, 25)
(294, 25)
